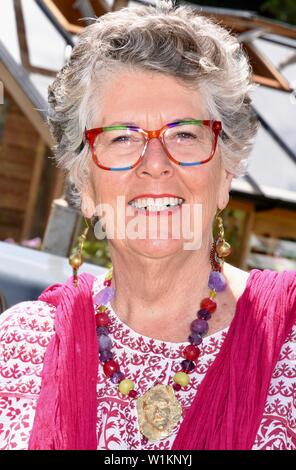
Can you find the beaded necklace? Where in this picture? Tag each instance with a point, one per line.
(158, 409)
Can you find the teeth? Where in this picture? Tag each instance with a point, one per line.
(156, 204)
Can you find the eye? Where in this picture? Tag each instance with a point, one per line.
(122, 138)
(186, 135)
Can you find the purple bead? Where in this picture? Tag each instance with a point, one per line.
(117, 377)
(104, 296)
(203, 314)
(199, 326)
(105, 343)
(217, 281)
(106, 356)
(195, 338)
(102, 330)
(187, 366)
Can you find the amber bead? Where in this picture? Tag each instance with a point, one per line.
(102, 319)
(75, 260)
(208, 304)
(191, 352)
(177, 387)
(213, 294)
(126, 386)
(182, 379)
(110, 367)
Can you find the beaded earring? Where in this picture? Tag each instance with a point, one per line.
(220, 247)
(76, 259)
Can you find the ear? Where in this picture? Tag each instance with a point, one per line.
(87, 202)
(224, 189)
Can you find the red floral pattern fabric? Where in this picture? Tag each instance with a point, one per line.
(25, 331)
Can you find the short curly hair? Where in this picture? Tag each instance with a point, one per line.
(167, 39)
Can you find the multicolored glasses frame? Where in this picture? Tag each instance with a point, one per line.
(91, 135)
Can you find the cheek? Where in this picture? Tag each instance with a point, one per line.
(203, 184)
(106, 186)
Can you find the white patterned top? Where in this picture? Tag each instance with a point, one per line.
(25, 331)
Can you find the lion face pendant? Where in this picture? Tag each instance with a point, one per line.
(158, 411)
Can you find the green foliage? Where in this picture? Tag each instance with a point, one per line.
(97, 252)
(283, 10)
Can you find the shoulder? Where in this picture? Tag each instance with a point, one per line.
(25, 332)
(236, 279)
(30, 315)
(276, 282)
(275, 287)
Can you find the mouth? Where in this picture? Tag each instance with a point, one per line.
(156, 205)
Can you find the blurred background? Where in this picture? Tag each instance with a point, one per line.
(38, 226)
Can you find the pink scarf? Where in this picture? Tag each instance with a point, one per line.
(227, 409)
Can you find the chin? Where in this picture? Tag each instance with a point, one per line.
(156, 248)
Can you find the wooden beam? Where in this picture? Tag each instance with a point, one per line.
(103, 7)
(21, 33)
(42, 71)
(241, 205)
(284, 84)
(278, 223)
(269, 82)
(57, 192)
(72, 28)
(25, 104)
(275, 28)
(246, 240)
(33, 191)
(58, 184)
(239, 24)
(118, 4)
(249, 209)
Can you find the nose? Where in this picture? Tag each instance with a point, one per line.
(155, 162)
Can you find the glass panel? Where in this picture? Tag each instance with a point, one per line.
(8, 32)
(278, 108)
(269, 165)
(41, 82)
(49, 53)
(279, 56)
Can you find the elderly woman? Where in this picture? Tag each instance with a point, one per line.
(172, 348)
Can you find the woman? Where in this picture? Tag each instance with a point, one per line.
(193, 353)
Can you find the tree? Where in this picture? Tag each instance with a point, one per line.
(283, 10)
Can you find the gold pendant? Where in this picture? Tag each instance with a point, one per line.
(158, 412)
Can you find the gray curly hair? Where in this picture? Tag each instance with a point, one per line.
(172, 40)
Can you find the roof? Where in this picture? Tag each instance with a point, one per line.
(271, 46)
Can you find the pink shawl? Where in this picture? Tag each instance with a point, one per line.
(227, 409)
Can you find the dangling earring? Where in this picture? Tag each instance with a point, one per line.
(220, 248)
(76, 258)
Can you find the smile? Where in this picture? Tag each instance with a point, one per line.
(154, 206)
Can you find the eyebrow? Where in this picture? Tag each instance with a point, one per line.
(121, 123)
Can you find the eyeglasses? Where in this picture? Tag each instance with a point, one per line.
(186, 143)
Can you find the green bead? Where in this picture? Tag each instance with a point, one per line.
(126, 386)
(181, 378)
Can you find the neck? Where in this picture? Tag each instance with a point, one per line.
(159, 290)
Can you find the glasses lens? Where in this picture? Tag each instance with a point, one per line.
(119, 148)
(189, 143)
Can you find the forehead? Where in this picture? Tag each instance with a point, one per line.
(142, 97)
